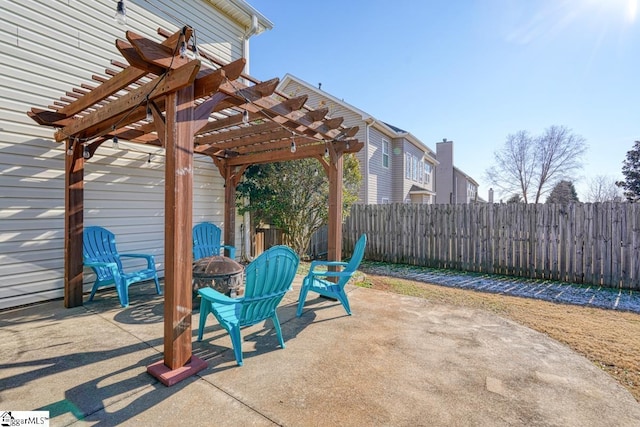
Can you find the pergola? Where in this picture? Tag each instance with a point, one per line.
(199, 105)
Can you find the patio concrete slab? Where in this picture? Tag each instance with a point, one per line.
(397, 361)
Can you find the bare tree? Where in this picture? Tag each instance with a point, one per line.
(532, 165)
(559, 153)
(603, 188)
(514, 165)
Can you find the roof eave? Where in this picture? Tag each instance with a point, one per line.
(473, 181)
(246, 11)
(291, 78)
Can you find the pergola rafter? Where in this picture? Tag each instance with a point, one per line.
(199, 106)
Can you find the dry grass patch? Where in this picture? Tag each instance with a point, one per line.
(610, 339)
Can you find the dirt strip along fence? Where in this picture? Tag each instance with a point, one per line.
(590, 243)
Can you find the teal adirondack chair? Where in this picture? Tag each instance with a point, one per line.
(267, 279)
(100, 253)
(315, 282)
(206, 241)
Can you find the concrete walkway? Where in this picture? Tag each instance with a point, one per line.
(548, 290)
(398, 361)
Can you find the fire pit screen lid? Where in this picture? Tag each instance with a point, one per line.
(216, 266)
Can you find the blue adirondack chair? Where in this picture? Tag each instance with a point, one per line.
(267, 279)
(315, 282)
(100, 253)
(206, 241)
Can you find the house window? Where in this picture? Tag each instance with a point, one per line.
(427, 173)
(420, 173)
(471, 191)
(385, 153)
(414, 168)
(407, 166)
(385, 200)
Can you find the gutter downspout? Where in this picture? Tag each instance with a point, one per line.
(245, 40)
(245, 231)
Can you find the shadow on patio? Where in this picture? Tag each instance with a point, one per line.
(397, 361)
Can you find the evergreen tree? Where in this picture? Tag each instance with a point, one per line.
(294, 196)
(563, 192)
(631, 172)
(515, 198)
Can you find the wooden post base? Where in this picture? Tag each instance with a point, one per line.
(170, 377)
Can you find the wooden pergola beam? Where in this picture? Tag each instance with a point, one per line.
(224, 123)
(160, 55)
(253, 144)
(160, 86)
(238, 133)
(280, 112)
(276, 150)
(282, 155)
(133, 57)
(113, 85)
(208, 81)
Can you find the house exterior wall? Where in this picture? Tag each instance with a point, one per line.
(41, 57)
(316, 100)
(429, 179)
(381, 183)
(380, 179)
(397, 171)
(412, 172)
(466, 190)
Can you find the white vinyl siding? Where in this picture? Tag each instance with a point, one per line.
(317, 100)
(392, 165)
(46, 49)
(380, 177)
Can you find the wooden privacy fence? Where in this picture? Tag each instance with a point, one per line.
(319, 245)
(596, 244)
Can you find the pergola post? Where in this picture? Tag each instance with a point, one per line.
(334, 252)
(179, 362)
(73, 225)
(230, 182)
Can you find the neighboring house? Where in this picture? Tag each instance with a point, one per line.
(396, 166)
(49, 47)
(452, 185)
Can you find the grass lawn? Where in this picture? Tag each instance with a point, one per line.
(610, 339)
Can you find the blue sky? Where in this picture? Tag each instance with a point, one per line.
(471, 71)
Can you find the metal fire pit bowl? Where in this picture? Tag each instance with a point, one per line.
(220, 273)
